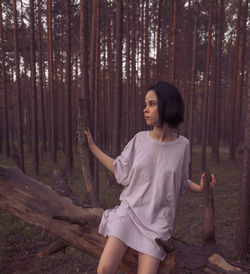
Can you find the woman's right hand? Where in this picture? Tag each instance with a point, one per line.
(89, 137)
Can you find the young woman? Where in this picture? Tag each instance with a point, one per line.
(153, 167)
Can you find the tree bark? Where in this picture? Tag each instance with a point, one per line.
(41, 79)
(193, 78)
(84, 105)
(158, 43)
(206, 89)
(218, 79)
(118, 80)
(4, 90)
(53, 128)
(243, 234)
(68, 108)
(234, 129)
(18, 90)
(35, 149)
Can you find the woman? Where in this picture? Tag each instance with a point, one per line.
(153, 167)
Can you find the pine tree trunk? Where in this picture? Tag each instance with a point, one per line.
(234, 131)
(35, 149)
(146, 63)
(133, 71)
(243, 230)
(4, 90)
(18, 91)
(158, 46)
(83, 104)
(128, 76)
(53, 128)
(118, 80)
(206, 89)
(217, 103)
(68, 110)
(193, 79)
(42, 133)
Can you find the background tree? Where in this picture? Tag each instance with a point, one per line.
(34, 91)
(18, 89)
(5, 101)
(68, 122)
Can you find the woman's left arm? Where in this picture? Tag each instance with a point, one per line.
(200, 188)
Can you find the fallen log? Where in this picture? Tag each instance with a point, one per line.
(77, 225)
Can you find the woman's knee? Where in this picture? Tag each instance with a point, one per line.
(104, 269)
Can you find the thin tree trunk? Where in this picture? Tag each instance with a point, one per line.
(35, 150)
(216, 142)
(146, 57)
(92, 65)
(142, 64)
(193, 78)
(128, 77)
(243, 234)
(4, 90)
(68, 111)
(206, 89)
(53, 127)
(172, 59)
(18, 91)
(133, 71)
(158, 46)
(41, 84)
(235, 89)
(118, 80)
(87, 164)
(97, 98)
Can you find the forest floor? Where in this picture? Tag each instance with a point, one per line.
(21, 242)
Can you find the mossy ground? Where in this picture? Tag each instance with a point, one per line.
(21, 242)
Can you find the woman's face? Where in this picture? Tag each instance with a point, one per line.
(151, 114)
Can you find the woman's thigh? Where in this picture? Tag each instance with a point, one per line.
(147, 264)
(111, 256)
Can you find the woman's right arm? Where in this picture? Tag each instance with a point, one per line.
(100, 155)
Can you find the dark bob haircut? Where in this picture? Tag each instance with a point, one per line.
(170, 104)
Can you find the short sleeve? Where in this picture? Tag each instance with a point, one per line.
(123, 163)
(185, 171)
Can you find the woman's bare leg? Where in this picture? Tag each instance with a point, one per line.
(147, 264)
(111, 256)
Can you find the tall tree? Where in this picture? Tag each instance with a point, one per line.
(53, 124)
(147, 64)
(206, 89)
(87, 164)
(68, 112)
(234, 131)
(133, 70)
(218, 80)
(158, 43)
(34, 91)
(128, 80)
(173, 44)
(193, 77)
(42, 133)
(118, 80)
(92, 63)
(5, 101)
(243, 234)
(18, 90)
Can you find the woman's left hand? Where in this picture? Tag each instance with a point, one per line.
(213, 182)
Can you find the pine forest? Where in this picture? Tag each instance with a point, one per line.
(102, 56)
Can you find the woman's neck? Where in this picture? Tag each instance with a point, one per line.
(164, 134)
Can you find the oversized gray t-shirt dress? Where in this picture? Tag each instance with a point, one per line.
(154, 174)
